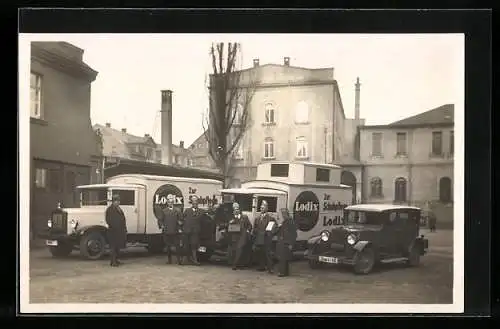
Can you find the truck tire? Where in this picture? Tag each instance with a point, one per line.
(92, 245)
(364, 261)
(204, 257)
(62, 250)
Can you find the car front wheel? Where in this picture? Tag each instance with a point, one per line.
(364, 261)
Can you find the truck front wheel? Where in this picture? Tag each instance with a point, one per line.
(92, 245)
(61, 250)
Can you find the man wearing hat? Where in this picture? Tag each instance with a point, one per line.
(171, 225)
(192, 228)
(117, 229)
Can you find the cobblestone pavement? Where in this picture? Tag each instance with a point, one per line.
(147, 279)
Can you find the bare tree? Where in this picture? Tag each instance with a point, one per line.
(228, 117)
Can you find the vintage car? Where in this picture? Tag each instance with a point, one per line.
(370, 234)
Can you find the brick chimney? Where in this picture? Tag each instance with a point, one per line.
(108, 125)
(166, 126)
(286, 61)
(181, 144)
(124, 130)
(356, 99)
(255, 62)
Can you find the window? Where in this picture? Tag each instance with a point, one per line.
(55, 179)
(301, 147)
(452, 142)
(176, 159)
(40, 178)
(302, 112)
(244, 200)
(322, 175)
(137, 149)
(36, 95)
(377, 144)
(272, 203)
(445, 190)
(94, 197)
(269, 113)
(362, 217)
(70, 181)
(158, 155)
(400, 190)
(127, 197)
(269, 149)
(437, 143)
(149, 153)
(401, 144)
(190, 162)
(238, 150)
(279, 170)
(376, 187)
(238, 115)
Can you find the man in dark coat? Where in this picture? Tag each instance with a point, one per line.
(171, 227)
(263, 232)
(239, 243)
(192, 228)
(117, 229)
(287, 234)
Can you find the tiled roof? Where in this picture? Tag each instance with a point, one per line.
(438, 115)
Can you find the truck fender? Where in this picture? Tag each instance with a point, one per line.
(360, 245)
(84, 229)
(313, 239)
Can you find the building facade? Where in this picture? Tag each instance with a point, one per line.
(64, 149)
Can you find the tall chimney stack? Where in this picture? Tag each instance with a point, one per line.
(166, 126)
(356, 100)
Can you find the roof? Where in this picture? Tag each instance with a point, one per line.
(252, 191)
(168, 178)
(439, 115)
(378, 207)
(110, 185)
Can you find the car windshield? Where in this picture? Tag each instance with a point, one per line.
(364, 217)
(244, 200)
(94, 196)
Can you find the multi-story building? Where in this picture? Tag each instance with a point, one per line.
(64, 150)
(199, 153)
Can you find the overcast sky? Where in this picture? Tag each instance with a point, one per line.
(401, 75)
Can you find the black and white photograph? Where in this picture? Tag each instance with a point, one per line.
(241, 173)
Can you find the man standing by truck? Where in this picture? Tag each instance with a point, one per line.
(287, 234)
(263, 230)
(192, 227)
(171, 227)
(240, 245)
(117, 229)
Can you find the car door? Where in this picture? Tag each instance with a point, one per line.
(129, 206)
(402, 231)
(390, 232)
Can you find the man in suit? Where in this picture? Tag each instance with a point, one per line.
(287, 234)
(239, 243)
(192, 228)
(171, 225)
(117, 229)
(263, 233)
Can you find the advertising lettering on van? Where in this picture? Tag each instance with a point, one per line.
(306, 211)
(332, 206)
(203, 201)
(160, 199)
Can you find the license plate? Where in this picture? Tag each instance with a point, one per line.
(51, 242)
(331, 260)
(202, 249)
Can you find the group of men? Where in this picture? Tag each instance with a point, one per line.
(247, 243)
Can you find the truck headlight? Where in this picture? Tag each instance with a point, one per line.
(325, 235)
(351, 239)
(49, 223)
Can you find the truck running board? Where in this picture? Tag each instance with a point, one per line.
(393, 260)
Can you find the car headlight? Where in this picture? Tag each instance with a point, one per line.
(325, 235)
(49, 223)
(73, 223)
(351, 239)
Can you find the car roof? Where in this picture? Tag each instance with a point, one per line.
(379, 207)
(252, 190)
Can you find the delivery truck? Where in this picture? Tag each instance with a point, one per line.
(311, 192)
(142, 199)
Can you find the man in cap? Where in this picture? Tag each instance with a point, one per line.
(239, 243)
(263, 231)
(287, 234)
(192, 228)
(171, 226)
(117, 229)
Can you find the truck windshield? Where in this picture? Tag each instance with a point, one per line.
(94, 197)
(363, 217)
(244, 200)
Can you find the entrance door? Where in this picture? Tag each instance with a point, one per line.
(348, 178)
(128, 203)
